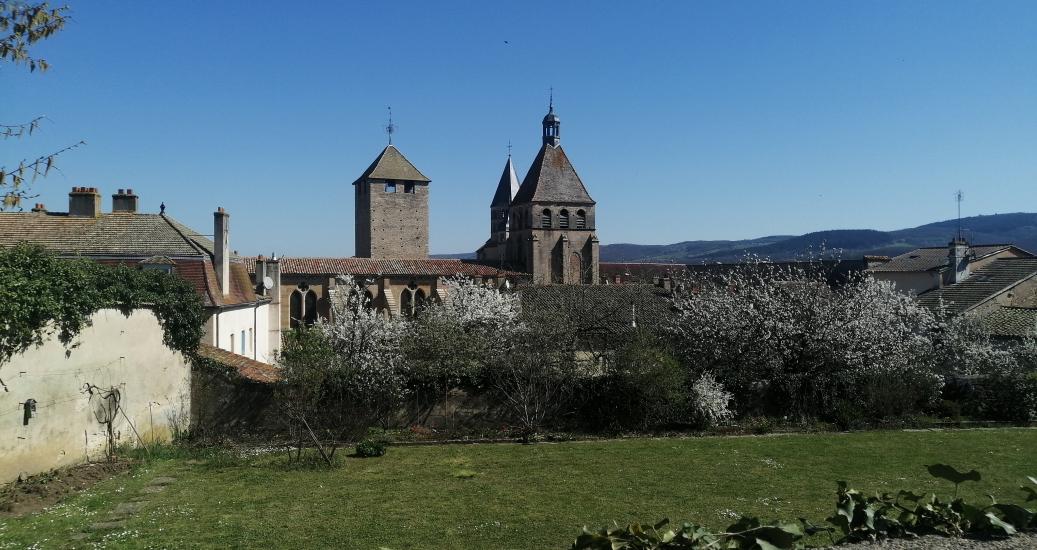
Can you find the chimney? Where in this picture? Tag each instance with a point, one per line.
(84, 201)
(125, 201)
(39, 208)
(271, 268)
(221, 248)
(957, 261)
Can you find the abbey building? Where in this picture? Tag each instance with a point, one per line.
(545, 226)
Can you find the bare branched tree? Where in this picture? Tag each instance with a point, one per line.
(22, 25)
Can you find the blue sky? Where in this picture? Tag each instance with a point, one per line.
(686, 120)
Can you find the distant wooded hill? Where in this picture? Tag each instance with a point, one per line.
(1019, 229)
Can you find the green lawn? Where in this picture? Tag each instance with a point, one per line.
(520, 496)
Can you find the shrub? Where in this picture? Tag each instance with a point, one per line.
(375, 444)
(643, 387)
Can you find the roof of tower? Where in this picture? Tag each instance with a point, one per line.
(552, 178)
(392, 165)
(508, 186)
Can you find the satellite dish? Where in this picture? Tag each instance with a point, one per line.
(268, 283)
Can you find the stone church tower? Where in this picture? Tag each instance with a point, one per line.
(391, 208)
(551, 218)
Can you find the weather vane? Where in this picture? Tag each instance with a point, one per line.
(390, 128)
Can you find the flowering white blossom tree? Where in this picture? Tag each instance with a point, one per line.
(710, 401)
(785, 341)
(343, 373)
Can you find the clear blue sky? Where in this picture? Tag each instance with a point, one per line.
(686, 120)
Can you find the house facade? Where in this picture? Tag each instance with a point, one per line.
(237, 318)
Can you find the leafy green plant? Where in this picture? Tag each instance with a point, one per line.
(44, 295)
(375, 444)
(746, 534)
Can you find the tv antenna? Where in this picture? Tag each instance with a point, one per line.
(390, 128)
(958, 197)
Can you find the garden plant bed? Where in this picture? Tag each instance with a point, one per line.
(517, 496)
(39, 491)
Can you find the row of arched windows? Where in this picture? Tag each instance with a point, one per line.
(580, 221)
(303, 303)
(566, 220)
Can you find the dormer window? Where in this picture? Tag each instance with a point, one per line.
(390, 187)
(158, 263)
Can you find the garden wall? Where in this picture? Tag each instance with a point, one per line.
(119, 351)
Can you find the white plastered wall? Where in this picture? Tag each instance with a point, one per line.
(253, 321)
(117, 351)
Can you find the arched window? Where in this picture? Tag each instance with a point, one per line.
(563, 219)
(581, 219)
(419, 300)
(545, 218)
(295, 309)
(406, 302)
(310, 311)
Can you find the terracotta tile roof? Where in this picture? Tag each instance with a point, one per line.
(982, 285)
(933, 258)
(387, 267)
(1011, 322)
(392, 165)
(202, 276)
(249, 369)
(552, 179)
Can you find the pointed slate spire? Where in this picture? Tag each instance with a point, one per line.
(507, 187)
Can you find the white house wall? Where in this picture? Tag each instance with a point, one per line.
(253, 321)
(117, 351)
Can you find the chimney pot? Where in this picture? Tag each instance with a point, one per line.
(84, 201)
(125, 201)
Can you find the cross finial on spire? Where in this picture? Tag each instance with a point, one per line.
(551, 100)
(390, 128)
(509, 148)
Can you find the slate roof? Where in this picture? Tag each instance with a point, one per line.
(932, 258)
(388, 267)
(597, 309)
(392, 165)
(247, 368)
(982, 285)
(552, 179)
(125, 238)
(112, 234)
(507, 187)
(637, 272)
(1011, 322)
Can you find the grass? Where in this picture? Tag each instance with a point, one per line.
(520, 496)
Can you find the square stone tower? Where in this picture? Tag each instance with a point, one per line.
(391, 208)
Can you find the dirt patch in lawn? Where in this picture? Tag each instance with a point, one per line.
(39, 491)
